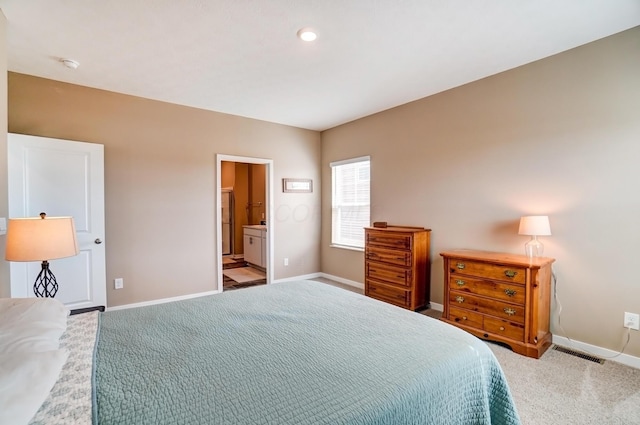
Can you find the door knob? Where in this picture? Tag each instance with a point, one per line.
(98, 241)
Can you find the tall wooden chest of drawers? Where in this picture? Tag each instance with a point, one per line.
(499, 297)
(396, 265)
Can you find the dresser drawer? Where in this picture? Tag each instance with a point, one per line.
(388, 273)
(391, 256)
(391, 294)
(491, 271)
(389, 240)
(257, 233)
(512, 312)
(504, 328)
(466, 317)
(489, 288)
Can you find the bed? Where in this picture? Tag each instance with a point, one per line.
(288, 353)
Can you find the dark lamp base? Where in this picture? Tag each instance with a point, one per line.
(46, 284)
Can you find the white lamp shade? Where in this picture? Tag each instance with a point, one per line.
(535, 225)
(40, 239)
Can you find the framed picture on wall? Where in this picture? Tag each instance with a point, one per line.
(297, 185)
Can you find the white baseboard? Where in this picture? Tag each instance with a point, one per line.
(343, 280)
(594, 350)
(432, 305)
(301, 277)
(436, 306)
(161, 301)
(323, 275)
(202, 294)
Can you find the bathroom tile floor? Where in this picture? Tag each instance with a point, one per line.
(230, 284)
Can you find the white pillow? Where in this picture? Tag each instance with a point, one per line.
(31, 324)
(25, 382)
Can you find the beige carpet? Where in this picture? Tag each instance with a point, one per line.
(244, 274)
(563, 389)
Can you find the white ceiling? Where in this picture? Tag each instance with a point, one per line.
(242, 57)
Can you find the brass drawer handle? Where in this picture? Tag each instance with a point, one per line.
(510, 292)
(460, 266)
(501, 328)
(509, 311)
(459, 282)
(510, 273)
(460, 299)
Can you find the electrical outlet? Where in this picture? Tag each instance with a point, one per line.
(286, 261)
(632, 320)
(118, 283)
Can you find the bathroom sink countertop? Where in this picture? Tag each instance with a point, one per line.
(256, 226)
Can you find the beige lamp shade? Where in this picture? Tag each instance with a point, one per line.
(40, 239)
(535, 225)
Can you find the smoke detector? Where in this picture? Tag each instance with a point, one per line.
(70, 63)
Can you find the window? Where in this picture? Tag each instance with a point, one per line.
(349, 201)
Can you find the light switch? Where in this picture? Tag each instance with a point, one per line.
(3, 226)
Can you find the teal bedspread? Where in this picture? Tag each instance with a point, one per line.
(292, 353)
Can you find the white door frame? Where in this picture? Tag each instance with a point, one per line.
(269, 208)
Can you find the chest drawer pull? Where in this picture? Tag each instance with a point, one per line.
(510, 292)
(510, 273)
(460, 266)
(459, 282)
(460, 299)
(501, 328)
(509, 311)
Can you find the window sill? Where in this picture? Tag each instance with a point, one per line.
(348, 248)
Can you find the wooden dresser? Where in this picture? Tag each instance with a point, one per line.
(396, 265)
(499, 297)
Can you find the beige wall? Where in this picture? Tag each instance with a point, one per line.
(160, 161)
(5, 290)
(560, 136)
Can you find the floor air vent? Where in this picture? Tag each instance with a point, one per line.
(579, 354)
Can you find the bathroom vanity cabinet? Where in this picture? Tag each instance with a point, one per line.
(255, 245)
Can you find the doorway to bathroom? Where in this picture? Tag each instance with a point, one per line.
(244, 238)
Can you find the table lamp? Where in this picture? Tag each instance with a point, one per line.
(41, 239)
(534, 226)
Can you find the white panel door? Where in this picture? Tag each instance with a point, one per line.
(61, 178)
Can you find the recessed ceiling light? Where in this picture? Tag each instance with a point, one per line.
(70, 63)
(307, 34)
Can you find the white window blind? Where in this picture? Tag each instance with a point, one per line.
(350, 201)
